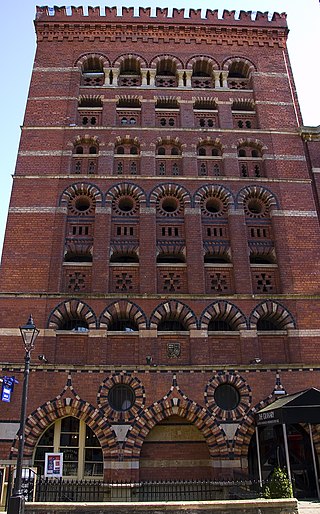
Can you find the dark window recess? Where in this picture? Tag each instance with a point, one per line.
(227, 397)
(265, 324)
(219, 325)
(76, 325)
(168, 258)
(121, 397)
(171, 325)
(123, 325)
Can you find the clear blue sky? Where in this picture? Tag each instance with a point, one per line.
(17, 41)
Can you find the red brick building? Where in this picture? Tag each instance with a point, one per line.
(163, 231)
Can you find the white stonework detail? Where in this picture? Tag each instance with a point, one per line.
(121, 431)
(300, 214)
(8, 431)
(121, 465)
(229, 429)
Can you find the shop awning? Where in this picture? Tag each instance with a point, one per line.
(302, 407)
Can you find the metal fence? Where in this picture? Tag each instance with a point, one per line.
(192, 490)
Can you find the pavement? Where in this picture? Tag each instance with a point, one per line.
(309, 506)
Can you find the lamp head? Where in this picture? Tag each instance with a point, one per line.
(29, 334)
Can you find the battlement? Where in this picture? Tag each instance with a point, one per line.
(147, 14)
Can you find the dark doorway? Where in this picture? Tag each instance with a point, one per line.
(272, 455)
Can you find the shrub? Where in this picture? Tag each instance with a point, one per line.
(279, 485)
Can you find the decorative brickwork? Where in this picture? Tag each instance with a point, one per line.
(139, 397)
(243, 390)
(174, 310)
(71, 309)
(274, 311)
(122, 310)
(175, 239)
(225, 311)
(218, 281)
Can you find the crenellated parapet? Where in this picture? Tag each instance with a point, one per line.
(169, 25)
(259, 19)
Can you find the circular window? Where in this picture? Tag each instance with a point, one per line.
(121, 397)
(82, 203)
(126, 204)
(170, 204)
(255, 208)
(227, 397)
(213, 205)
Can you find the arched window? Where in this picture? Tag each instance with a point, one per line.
(166, 73)
(92, 72)
(76, 325)
(250, 160)
(202, 74)
(130, 75)
(124, 258)
(82, 453)
(239, 76)
(171, 325)
(267, 324)
(219, 325)
(123, 325)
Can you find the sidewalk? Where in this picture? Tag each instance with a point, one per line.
(309, 507)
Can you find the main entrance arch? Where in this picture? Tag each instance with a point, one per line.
(175, 449)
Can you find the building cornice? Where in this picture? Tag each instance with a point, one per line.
(58, 24)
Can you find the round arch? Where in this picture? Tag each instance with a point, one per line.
(175, 309)
(184, 408)
(72, 309)
(49, 412)
(123, 309)
(273, 311)
(225, 311)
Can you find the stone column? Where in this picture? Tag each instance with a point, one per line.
(152, 74)
(106, 76)
(224, 75)
(188, 77)
(144, 72)
(180, 74)
(115, 73)
(216, 78)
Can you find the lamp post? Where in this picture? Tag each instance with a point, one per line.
(29, 333)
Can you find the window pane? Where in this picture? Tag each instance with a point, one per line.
(91, 438)
(93, 469)
(69, 440)
(70, 454)
(69, 424)
(47, 438)
(70, 468)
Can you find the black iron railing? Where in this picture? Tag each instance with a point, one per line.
(57, 490)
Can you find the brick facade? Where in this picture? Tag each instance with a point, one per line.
(163, 230)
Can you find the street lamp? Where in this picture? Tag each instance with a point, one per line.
(29, 333)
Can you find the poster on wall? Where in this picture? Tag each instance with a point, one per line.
(53, 465)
